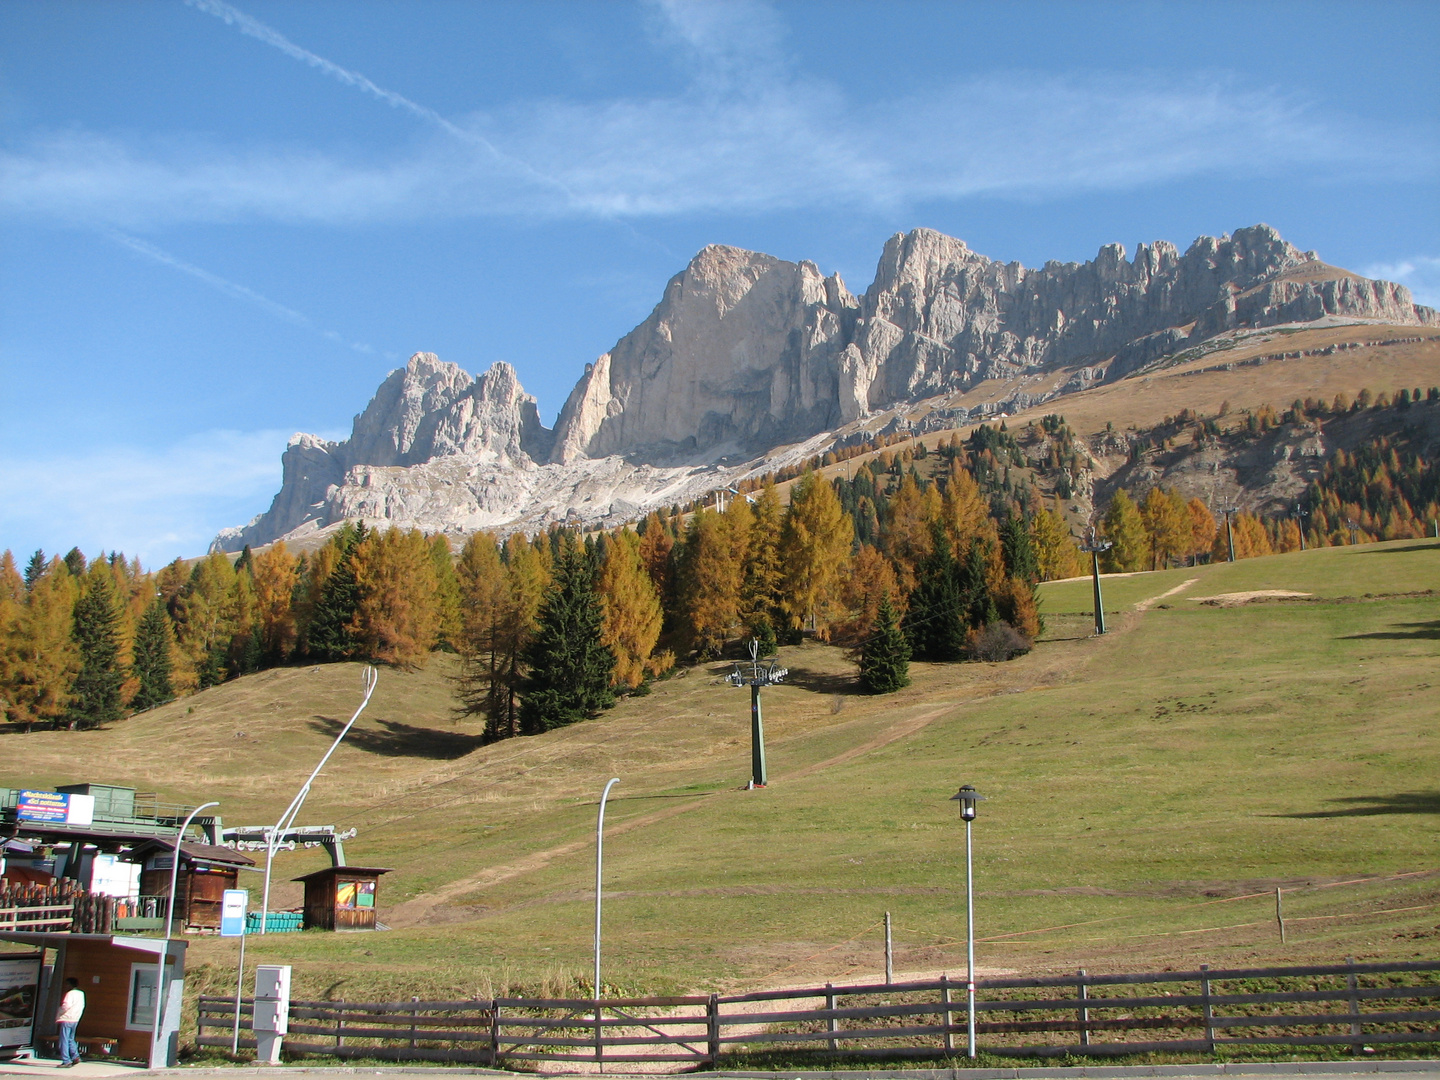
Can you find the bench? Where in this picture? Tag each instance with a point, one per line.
(88, 1044)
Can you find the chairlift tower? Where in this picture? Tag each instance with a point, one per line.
(1230, 512)
(1094, 546)
(1300, 515)
(757, 677)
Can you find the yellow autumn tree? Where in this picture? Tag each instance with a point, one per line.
(1202, 527)
(631, 609)
(397, 607)
(1167, 521)
(709, 585)
(1124, 528)
(966, 511)
(1056, 555)
(909, 540)
(41, 657)
(275, 573)
(815, 543)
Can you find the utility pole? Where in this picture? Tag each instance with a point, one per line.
(755, 680)
(1230, 512)
(1095, 546)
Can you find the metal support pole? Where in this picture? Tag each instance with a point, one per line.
(272, 841)
(164, 954)
(599, 871)
(970, 939)
(1099, 604)
(1230, 534)
(1083, 995)
(757, 738)
(239, 987)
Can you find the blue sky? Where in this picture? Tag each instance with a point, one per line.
(223, 224)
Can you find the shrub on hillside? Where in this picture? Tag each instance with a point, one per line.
(997, 641)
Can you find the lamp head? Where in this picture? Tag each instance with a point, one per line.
(967, 797)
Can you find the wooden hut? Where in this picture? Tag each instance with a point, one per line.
(341, 897)
(118, 977)
(206, 871)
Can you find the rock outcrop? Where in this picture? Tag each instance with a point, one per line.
(746, 352)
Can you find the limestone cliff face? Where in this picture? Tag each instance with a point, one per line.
(741, 352)
(425, 411)
(746, 352)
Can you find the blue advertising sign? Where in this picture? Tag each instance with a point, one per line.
(53, 808)
(232, 912)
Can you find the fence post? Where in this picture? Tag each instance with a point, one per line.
(712, 1028)
(1084, 1010)
(949, 1016)
(1353, 984)
(831, 1024)
(414, 1020)
(1209, 1012)
(1280, 915)
(889, 953)
(340, 1026)
(494, 1034)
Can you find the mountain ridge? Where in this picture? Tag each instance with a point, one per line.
(746, 352)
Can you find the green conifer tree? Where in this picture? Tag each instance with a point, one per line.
(1018, 550)
(329, 635)
(152, 662)
(885, 656)
(569, 667)
(95, 693)
(34, 569)
(977, 604)
(935, 620)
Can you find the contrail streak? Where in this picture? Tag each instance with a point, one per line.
(229, 288)
(253, 27)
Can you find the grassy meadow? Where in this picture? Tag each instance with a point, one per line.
(1147, 792)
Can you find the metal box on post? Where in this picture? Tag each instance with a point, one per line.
(272, 1010)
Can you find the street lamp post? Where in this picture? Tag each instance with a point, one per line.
(272, 840)
(755, 680)
(169, 927)
(967, 797)
(599, 872)
(1094, 547)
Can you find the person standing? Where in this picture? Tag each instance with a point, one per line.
(72, 1007)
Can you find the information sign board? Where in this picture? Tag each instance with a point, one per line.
(233, 903)
(55, 808)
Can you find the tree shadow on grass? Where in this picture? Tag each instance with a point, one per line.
(394, 739)
(1405, 631)
(1423, 546)
(824, 682)
(1404, 802)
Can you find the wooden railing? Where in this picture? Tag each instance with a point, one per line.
(38, 918)
(1354, 1005)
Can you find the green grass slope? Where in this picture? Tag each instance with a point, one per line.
(1147, 790)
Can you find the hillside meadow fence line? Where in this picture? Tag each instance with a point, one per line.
(1358, 1006)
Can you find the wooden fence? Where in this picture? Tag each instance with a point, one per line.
(1352, 1005)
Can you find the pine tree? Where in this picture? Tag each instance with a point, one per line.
(329, 636)
(935, 622)
(152, 660)
(885, 656)
(977, 602)
(570, 669)
(34, 568)
(75, 562)
(95, 693)
(1018, 551)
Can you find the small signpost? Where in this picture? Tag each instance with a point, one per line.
(233, 903)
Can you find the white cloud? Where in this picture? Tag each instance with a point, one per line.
(1421, 275)
(746, 135)
(153, 503)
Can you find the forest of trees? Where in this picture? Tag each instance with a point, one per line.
(924, 553)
